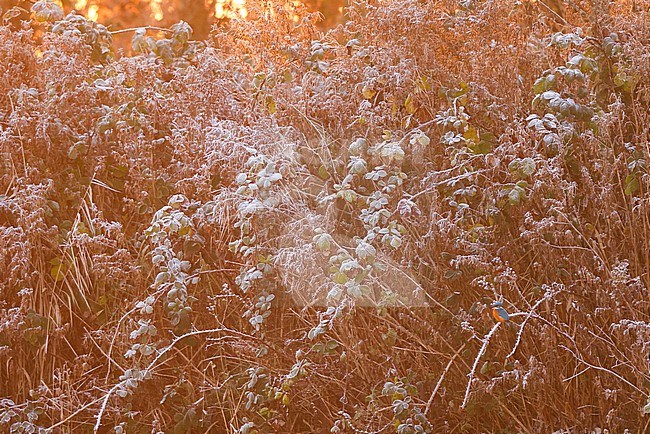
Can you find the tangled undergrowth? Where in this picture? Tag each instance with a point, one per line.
(280, 230)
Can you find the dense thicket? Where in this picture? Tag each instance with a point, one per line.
(280, 230)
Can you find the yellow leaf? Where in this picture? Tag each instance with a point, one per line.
(323, 173)
(58, 271)
(423, 84)
(471, 134)
(409, 104)
(270, 102)
(368, 92)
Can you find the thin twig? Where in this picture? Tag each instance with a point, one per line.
(133, 29)
(547, 296)
(79, 410)
(152, 365)
(486, 341)
(600, 368)
(442, 377)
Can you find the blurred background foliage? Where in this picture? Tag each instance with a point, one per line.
(200, 14)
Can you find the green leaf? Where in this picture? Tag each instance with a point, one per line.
(366, 251)
(515, 196)
(527, 166)
(631, 184)
(545, 83)
(340, 278)
(323, 241)
(58, 269)
(539, 86)
(348, 195)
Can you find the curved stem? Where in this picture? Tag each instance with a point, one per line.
(133, 29)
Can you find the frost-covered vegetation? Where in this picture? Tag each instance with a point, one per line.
(280, 230)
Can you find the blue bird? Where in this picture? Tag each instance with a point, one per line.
(499, 313)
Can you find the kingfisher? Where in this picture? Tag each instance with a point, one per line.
(499, 313)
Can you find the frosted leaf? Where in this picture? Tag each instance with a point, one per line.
(527, 166)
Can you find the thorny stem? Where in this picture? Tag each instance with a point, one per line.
(547, 296)
(152, 365)
(133, 29)
(486, 341)
(600, 368)
(442, 377)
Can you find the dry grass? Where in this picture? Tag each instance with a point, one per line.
(280, 230)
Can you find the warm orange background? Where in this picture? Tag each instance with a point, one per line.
(201, 15)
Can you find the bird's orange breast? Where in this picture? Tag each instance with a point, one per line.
(495, 314)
